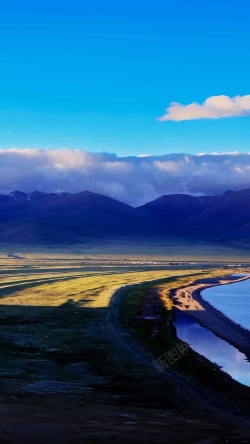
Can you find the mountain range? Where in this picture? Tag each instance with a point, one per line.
(65, 218)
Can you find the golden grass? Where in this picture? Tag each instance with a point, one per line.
(93, 291)
(44, 279)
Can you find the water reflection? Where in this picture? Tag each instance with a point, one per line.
(213, 348)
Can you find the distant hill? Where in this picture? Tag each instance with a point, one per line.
(69, 218)
(225, 217)
(64, 218)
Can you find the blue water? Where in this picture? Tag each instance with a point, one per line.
(213, 348)
(231, 299)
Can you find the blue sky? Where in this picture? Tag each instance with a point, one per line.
(97, 74)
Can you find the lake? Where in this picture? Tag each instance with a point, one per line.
(233, 300)
(213, 348)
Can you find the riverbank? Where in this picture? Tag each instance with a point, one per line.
(199, 384)
(190, 301)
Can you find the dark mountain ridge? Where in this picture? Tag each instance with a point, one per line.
(223, 217)
(67, 218)
(62, 218)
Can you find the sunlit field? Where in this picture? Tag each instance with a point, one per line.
(65, 345)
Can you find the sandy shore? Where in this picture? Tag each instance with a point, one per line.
(190, 301)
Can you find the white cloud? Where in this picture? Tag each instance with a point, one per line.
(215, 107)
(133, 180)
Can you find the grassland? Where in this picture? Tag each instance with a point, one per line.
(76, 369)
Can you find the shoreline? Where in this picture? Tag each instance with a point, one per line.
(190, 301)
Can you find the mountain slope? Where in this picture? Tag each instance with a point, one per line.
(224, 217)
(75, 218)
(69, 218)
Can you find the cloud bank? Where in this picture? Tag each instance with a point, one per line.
(133, 180)
(215, 107)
